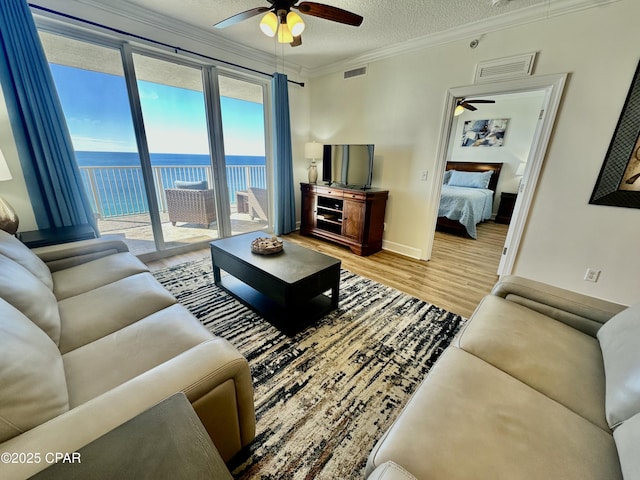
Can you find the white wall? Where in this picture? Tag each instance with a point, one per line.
(398, 106)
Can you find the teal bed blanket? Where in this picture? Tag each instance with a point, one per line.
(469, 206)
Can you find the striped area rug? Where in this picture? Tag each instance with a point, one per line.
(324, 396)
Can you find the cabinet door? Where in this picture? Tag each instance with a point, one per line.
(308, 214)
(353, 219)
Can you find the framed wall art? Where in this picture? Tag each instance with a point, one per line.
(484, 133)
(618, 184)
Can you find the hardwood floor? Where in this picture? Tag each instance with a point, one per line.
(461, 270)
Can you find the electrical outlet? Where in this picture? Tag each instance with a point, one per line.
(592, 275)
(423, 175)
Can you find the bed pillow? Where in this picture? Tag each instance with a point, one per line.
(447, 177)
(470, 179)
(191, 185)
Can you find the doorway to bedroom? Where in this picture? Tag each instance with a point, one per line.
(525, 110)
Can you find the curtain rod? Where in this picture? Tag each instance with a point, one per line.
(156, 42)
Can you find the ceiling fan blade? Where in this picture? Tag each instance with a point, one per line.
(239, 17)
(297, 41)
(328, 12)
(480, 101)
(469, 106)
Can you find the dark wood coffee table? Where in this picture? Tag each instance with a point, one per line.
(286, 288)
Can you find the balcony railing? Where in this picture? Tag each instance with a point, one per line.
(119, 191)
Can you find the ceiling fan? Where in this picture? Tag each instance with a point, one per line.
(462, 104)
(288, 25)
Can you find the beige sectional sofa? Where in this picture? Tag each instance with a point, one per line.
(89, 339)
(541, 383)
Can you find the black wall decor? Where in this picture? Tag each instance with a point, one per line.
(618, 184)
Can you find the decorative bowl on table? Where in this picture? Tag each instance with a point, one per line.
(266, 245)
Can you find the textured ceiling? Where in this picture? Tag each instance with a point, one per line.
(386, 23)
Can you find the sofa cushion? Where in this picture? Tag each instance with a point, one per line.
(469, 419)
(555, 359)
(619, 343)
(102, 271)
(92, 315)
(627, 437)
(17, 251)
(31, 375)
(23, 290)
(110, 361)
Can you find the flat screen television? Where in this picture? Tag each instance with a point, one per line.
(348, 165)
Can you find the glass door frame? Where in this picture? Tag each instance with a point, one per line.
(210, 83)
(215, 131)
(142, 144)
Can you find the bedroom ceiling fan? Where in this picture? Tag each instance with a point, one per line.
(288, 25)
(463, 104)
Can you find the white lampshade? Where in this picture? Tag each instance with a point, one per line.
(284, 34)
(312, 150)
(269, 24)
(520, 169)
(5, 174)
(295, 23)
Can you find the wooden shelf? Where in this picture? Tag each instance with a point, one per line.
(356, 217)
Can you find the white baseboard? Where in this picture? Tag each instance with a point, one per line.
(402, 249)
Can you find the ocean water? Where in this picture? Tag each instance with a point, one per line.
(121, 159)
(116, 187)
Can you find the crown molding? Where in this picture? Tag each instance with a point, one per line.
(128, 12)
(240, 54)
(471, 30)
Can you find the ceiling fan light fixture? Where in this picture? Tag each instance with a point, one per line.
(284, 34)
(458, 111)
(269, 24)
(295, 24)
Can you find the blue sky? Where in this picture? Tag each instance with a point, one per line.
(97, 111)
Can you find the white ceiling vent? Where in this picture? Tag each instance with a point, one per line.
(355, 72)
(505, 68)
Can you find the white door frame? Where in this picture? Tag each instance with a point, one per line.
(553, 86)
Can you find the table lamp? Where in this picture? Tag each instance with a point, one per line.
(313, 150)
(8, 217)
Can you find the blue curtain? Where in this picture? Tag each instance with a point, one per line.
(44, 144)
(285, 204)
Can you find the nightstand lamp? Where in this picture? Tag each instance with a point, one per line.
(313, 150)
(8, 217)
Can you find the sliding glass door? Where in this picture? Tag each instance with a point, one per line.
(175, 124)
(173, 154)
(92, 89)
(243, 125)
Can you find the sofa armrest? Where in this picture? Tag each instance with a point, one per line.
(579, 311)
(213, 360)
(390, 471)
(66, 255)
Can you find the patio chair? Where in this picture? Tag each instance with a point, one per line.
(258, 205)
(191, 202)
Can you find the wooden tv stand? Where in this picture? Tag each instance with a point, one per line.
(348, 216)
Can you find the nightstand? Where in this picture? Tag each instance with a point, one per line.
(505, 209)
